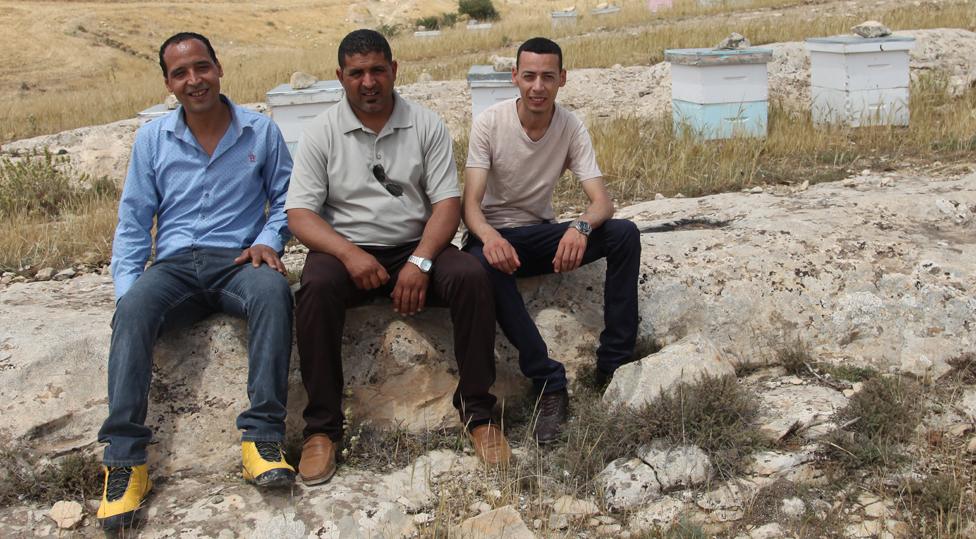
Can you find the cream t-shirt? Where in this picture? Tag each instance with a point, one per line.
(523, 173)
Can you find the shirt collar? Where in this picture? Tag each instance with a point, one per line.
(176, 123)
(399, 119)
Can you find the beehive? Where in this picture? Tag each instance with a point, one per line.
(291, 108)
(720, 93)
(489, 87)
(860, 81)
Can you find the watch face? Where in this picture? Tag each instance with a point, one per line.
(583, 227)
(425, 265)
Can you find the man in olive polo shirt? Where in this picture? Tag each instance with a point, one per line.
(374, 195)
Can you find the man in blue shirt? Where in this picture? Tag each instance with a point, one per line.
(205, 172)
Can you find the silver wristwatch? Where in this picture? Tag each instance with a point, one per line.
(423, 263)
(582, 226)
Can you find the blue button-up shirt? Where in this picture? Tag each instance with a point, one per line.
(200, 200)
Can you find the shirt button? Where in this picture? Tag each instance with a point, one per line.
(378, 156)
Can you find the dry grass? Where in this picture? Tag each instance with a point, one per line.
(641, 157)
(50, 216)
(25, 477)
(108, 70)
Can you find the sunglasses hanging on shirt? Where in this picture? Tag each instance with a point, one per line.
(391, 187)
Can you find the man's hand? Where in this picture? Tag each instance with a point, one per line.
(569, 254)
(410, 291)
(259, 254)
(366, 272)
(501, 255)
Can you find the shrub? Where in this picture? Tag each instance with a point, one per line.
(430, 23)
(482, 10)
(75, 477)
(880, 419)
(389, 30)
(43, 185)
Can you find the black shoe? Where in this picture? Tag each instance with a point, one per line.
(553, 409)
(601, 379)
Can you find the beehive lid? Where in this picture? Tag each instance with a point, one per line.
(713, 57)
(155, 111)
(851, 43)
(485, 75)
(323, 91)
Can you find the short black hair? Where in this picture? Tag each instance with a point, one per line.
(540, 45)
(363, 41)
(180, 38)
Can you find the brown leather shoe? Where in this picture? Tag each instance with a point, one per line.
(318, 463)
(490, 445)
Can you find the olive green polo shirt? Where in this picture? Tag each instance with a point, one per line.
(333, 172)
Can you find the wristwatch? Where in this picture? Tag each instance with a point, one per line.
(423, 263)
(582, 226)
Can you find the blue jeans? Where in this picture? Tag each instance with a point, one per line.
(618, 241)
(174, 293)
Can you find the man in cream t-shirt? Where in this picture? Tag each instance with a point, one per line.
(517, 151)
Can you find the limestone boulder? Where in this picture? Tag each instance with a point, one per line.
(805, 409)
(627, 484)
(685, 361)
(503, 523)
(678, 467)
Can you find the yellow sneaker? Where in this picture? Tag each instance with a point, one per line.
(125, 489)
(265, 466)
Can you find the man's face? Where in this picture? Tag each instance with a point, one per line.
(193, 76)
(538, 78)
(368, 81)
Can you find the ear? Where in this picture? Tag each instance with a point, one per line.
(514, 75)
(393, 67)
(168, 86)
(220, 70)
(562, 78)
(339, 74)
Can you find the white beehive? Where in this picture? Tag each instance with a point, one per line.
(720, 93)
(489, 87)
(860, 81)
(608, 10)
(563, 18)
(475, 25)
(290, 108)
(655, 5)
(427, 33)
(153, 112)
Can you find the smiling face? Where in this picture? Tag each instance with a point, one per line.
(538, 78)
(368, 80)
(193, 76)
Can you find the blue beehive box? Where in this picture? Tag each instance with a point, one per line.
(720, 93)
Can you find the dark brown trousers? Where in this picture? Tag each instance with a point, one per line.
(457, 281)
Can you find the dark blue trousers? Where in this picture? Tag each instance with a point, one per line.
(618, 241)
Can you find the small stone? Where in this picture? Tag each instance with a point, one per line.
(423, 518)
(679, 195)
(67, 514)
(479, 508)
(609, 530)
(217, 500)
(494, 494)
(593, 523)
(568, 505)
(616, 66)
(44, 274)
(849, 182)
(756, 190)
(502, 64)
(804, 186)
(65, 274)
(606, 519)
(659, 196)
(300, 80)
(886, 181)
(558, 522)
(870, 29)
(849, 393)
(960, 430)
(171, 102)
(734, 41)
(971, 446)
(503, 522)
(793, 507)
(537, 523)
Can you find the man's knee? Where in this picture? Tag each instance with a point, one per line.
(324, 280)
(270, 289)
(467, 275)
(622, 233)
